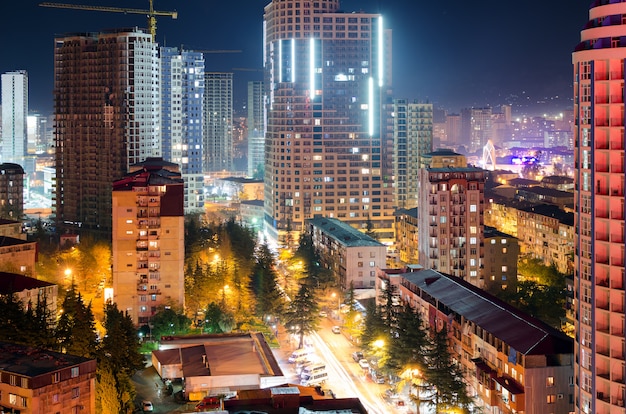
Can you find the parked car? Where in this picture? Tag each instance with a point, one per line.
(208, 403)
(364, 364)
(357, 356)
(147, 406)
(336, 329)
(377, 377)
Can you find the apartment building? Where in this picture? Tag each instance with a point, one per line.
(35, 381)
(18, 255)
(513, 363)
(407, 235)
(11, 191)
(352, 256)
(501, 255)
(148, 248)
(29, 291)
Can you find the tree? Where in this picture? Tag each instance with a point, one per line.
(410, 342)
(444, 376)
(76, 329)
(13, 320)
(302, 316)
(107, 401)
(264, 284)
(169, 322)
(121, 342)
(375, 327)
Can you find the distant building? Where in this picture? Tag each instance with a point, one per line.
(451, 217)
(500, 261)
(476, 128)
(214, 364)
(148, 239)
(11, 228)
(251, 213)
(29, 291)
(237, 188)
(14, 117)
(11, 191)
(18, 255)
(562, 199)
(512, 361)
(453, 129)
(352, 256)
(35, 381)
(407, 239)
(107, 118)
(558, 183)
(412, 138)
(256, 129)
(218, 122)
(182, 94)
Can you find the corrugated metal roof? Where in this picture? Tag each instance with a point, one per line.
(525, 334)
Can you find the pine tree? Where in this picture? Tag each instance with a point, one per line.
(410, 342)
(76, 329)
(375, 327)
(302, 314)
(264, 284)
(121, 343)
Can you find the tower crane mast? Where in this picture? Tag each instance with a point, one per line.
(150, 13)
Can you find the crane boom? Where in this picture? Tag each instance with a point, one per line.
(151, 13)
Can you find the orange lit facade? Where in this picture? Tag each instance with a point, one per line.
(599, 77)
(148, 240)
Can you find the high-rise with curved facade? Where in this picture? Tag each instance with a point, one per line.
(329, 132)
(599, 202)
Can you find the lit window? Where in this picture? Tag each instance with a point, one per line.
(551, 398)
(75, 372)
(472, 240)
(493, 241)
(372, 264)
(503, 241)
(472, 208)
(550, 382)
(504, 268)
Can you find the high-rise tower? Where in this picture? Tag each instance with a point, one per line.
(328, 143)
(14, 116)
(412, 138)
(182, 94)
(256, 129)
(218, 122)
(599, 75)
(107, 117)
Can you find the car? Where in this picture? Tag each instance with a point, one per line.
(336, 329)
(357, 356)
(364, 364)
(377, 377)
(147, 406)
(323, 314)
(208, 403)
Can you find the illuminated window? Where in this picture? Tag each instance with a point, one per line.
(550, 382)
(551, 398)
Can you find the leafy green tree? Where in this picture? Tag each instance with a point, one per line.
(166, 321)
(302, 315)
(107, 401)
(212, 318)
(76, 329)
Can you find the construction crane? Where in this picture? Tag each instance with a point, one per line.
(151, 13)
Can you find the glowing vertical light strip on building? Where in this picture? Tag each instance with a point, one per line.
(370, 105)
(280, 61)
(312, 68)
(381, 65)
(293, 60)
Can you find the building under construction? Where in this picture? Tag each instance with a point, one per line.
(107, 117)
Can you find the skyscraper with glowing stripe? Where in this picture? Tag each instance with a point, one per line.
(599, 282)
(329, 133)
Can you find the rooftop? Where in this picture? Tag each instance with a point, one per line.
(493, 232)
(525, 334)
(31, 362)
(343, 232)
(6, 241)
(12, 283)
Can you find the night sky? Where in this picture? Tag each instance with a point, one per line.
(453, 53)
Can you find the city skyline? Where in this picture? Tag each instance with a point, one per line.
(510, 61)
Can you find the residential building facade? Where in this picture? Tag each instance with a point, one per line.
(182, 95)
(11, 191)
(329, 134)
(14, 116)
(30, 291)
(599, 179)
(218, 122)
(18, 255)
(106, 118)
(513, 363)
(35, 381)
(412, 138)
(349, 254)
(500, 261)
(256, 129)
(407, 231)
(451, 235)
(148, 248)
